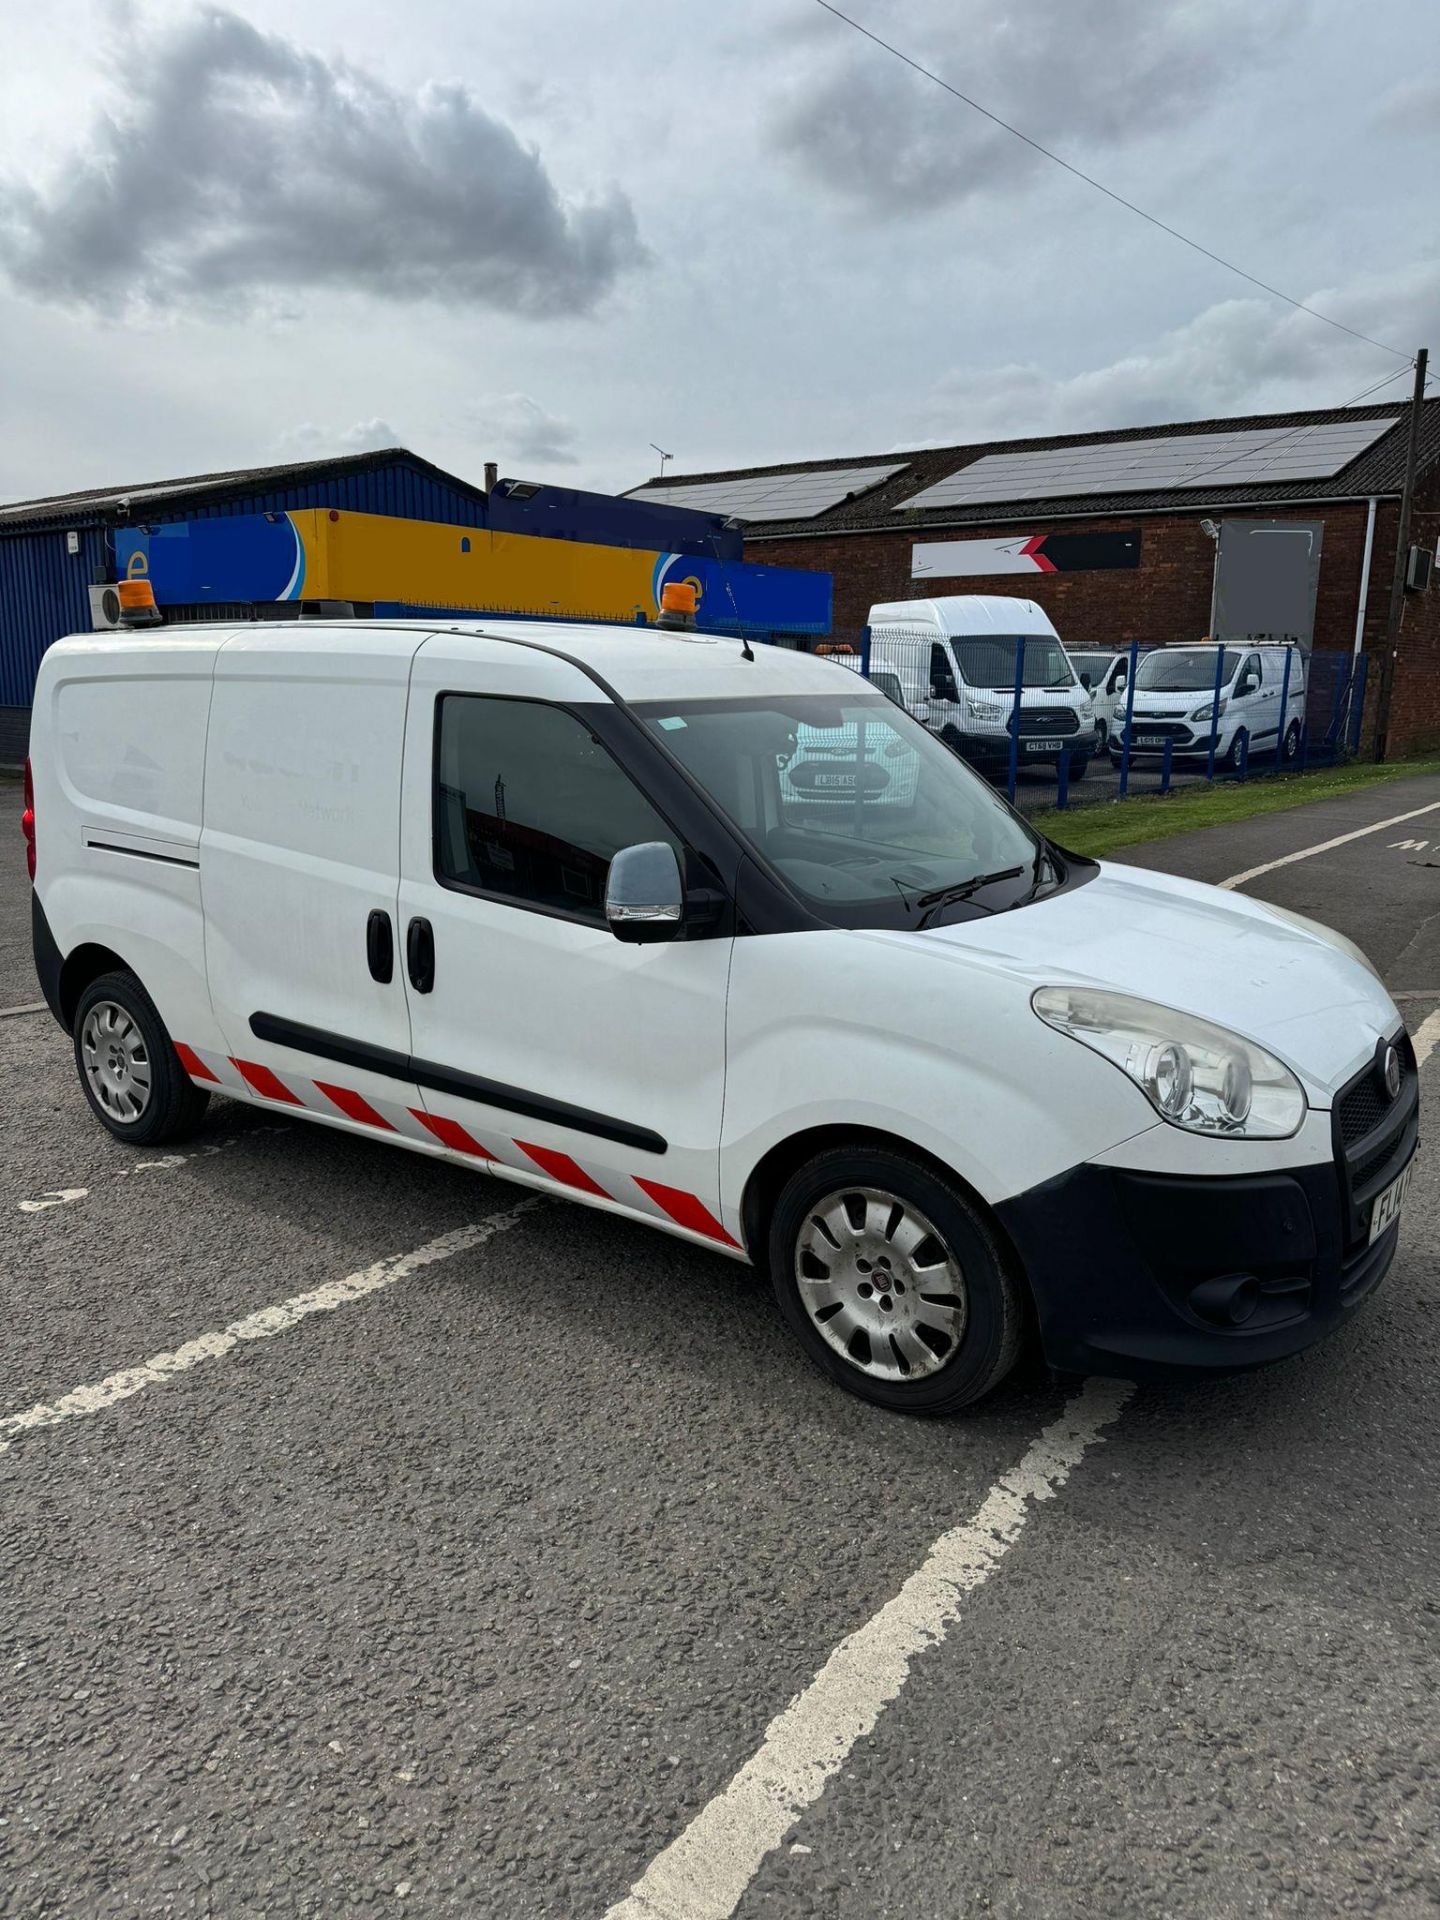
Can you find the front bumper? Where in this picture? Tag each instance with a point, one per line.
(1148, 1275)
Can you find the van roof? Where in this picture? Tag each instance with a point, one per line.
(968, 613)
(640, 663)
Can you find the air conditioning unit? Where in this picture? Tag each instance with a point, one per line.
(1419, 567)
(104, 607)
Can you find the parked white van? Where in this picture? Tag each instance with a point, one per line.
(1260, 709)
(957, 659)
(1105, 674)
(535, 900)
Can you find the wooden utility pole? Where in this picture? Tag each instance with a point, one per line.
(1402, 555)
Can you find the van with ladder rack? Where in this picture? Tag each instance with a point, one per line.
(724, 942)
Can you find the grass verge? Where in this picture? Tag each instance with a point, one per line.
(1102, 828)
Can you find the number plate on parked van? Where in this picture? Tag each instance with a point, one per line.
(1040, 746)
(1386, 1210)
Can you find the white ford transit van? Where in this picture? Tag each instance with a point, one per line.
(957, 658)
(1261, 706)
(563, 905)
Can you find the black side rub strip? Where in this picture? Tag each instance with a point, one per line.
(141, 853)
(466, 1086)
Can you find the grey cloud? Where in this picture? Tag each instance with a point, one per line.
(1411, 107)
(238, 166)
(306, 440)
(512, 427)
(1076, 74)
(1239, 355)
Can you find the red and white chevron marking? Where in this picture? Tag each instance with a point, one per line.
(251, 1081)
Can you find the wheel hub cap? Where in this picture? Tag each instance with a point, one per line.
(115, 1059)
(879, 1284)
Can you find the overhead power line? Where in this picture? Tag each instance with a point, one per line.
(1110, 194)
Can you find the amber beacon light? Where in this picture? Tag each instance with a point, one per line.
(137, 604)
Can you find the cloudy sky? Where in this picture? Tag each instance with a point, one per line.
(550, 233)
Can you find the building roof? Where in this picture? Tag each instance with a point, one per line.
(1378, 470)
(93, 504)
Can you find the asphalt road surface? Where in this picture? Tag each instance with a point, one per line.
(465, 1573)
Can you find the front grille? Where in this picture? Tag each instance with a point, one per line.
(1374, 1135)
(1035, 721)
(1365, 1103)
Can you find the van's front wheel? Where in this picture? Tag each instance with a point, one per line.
(128, 1068)
(893, 1282)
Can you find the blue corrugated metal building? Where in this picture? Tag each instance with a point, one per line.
(52, 550)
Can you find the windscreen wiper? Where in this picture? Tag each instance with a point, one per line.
(947, 896)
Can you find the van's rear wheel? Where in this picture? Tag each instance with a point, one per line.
(893, 1282)
(129, 1070)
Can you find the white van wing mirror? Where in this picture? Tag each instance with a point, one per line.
(644, 894)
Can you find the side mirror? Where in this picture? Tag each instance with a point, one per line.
(1248, 684)
(644, 894)
(1085, 681)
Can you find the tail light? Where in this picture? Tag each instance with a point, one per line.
(27, 819)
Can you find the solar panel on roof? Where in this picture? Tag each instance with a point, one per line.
(771, 496)
(1170, 460)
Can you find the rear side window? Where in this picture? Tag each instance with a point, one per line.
(530, 808)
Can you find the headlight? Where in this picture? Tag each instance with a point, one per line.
(983, 709)
(1195, 1075)
(1211, 710)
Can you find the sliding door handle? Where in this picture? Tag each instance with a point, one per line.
(420, 955)
(380, 947)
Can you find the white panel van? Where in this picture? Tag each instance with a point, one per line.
(1251, 698)
(958, 656)
(724, 941)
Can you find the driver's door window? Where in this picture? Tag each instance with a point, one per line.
(942, 675)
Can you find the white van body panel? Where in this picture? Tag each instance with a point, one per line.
(301, 840)
(119, 789)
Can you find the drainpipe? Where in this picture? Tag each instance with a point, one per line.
(1358, 648)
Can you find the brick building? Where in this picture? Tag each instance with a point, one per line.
(1153, 578)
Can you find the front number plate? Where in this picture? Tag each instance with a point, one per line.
(1041, 746)
(1386, 1210)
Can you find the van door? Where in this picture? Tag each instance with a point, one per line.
(541, 1042)
(1250, 705)
(299, 870)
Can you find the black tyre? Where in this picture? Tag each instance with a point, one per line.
(893, 1282)
(1290, 745)
(128, 1068)
(1234, 759)
(1080, 766)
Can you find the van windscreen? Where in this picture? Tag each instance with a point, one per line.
(988, 660)
(1185, 670)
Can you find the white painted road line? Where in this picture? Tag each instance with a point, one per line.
(1340, 840)
(1426, 1038)
(703, 1874)
(167, 1163)
(256, 1326)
